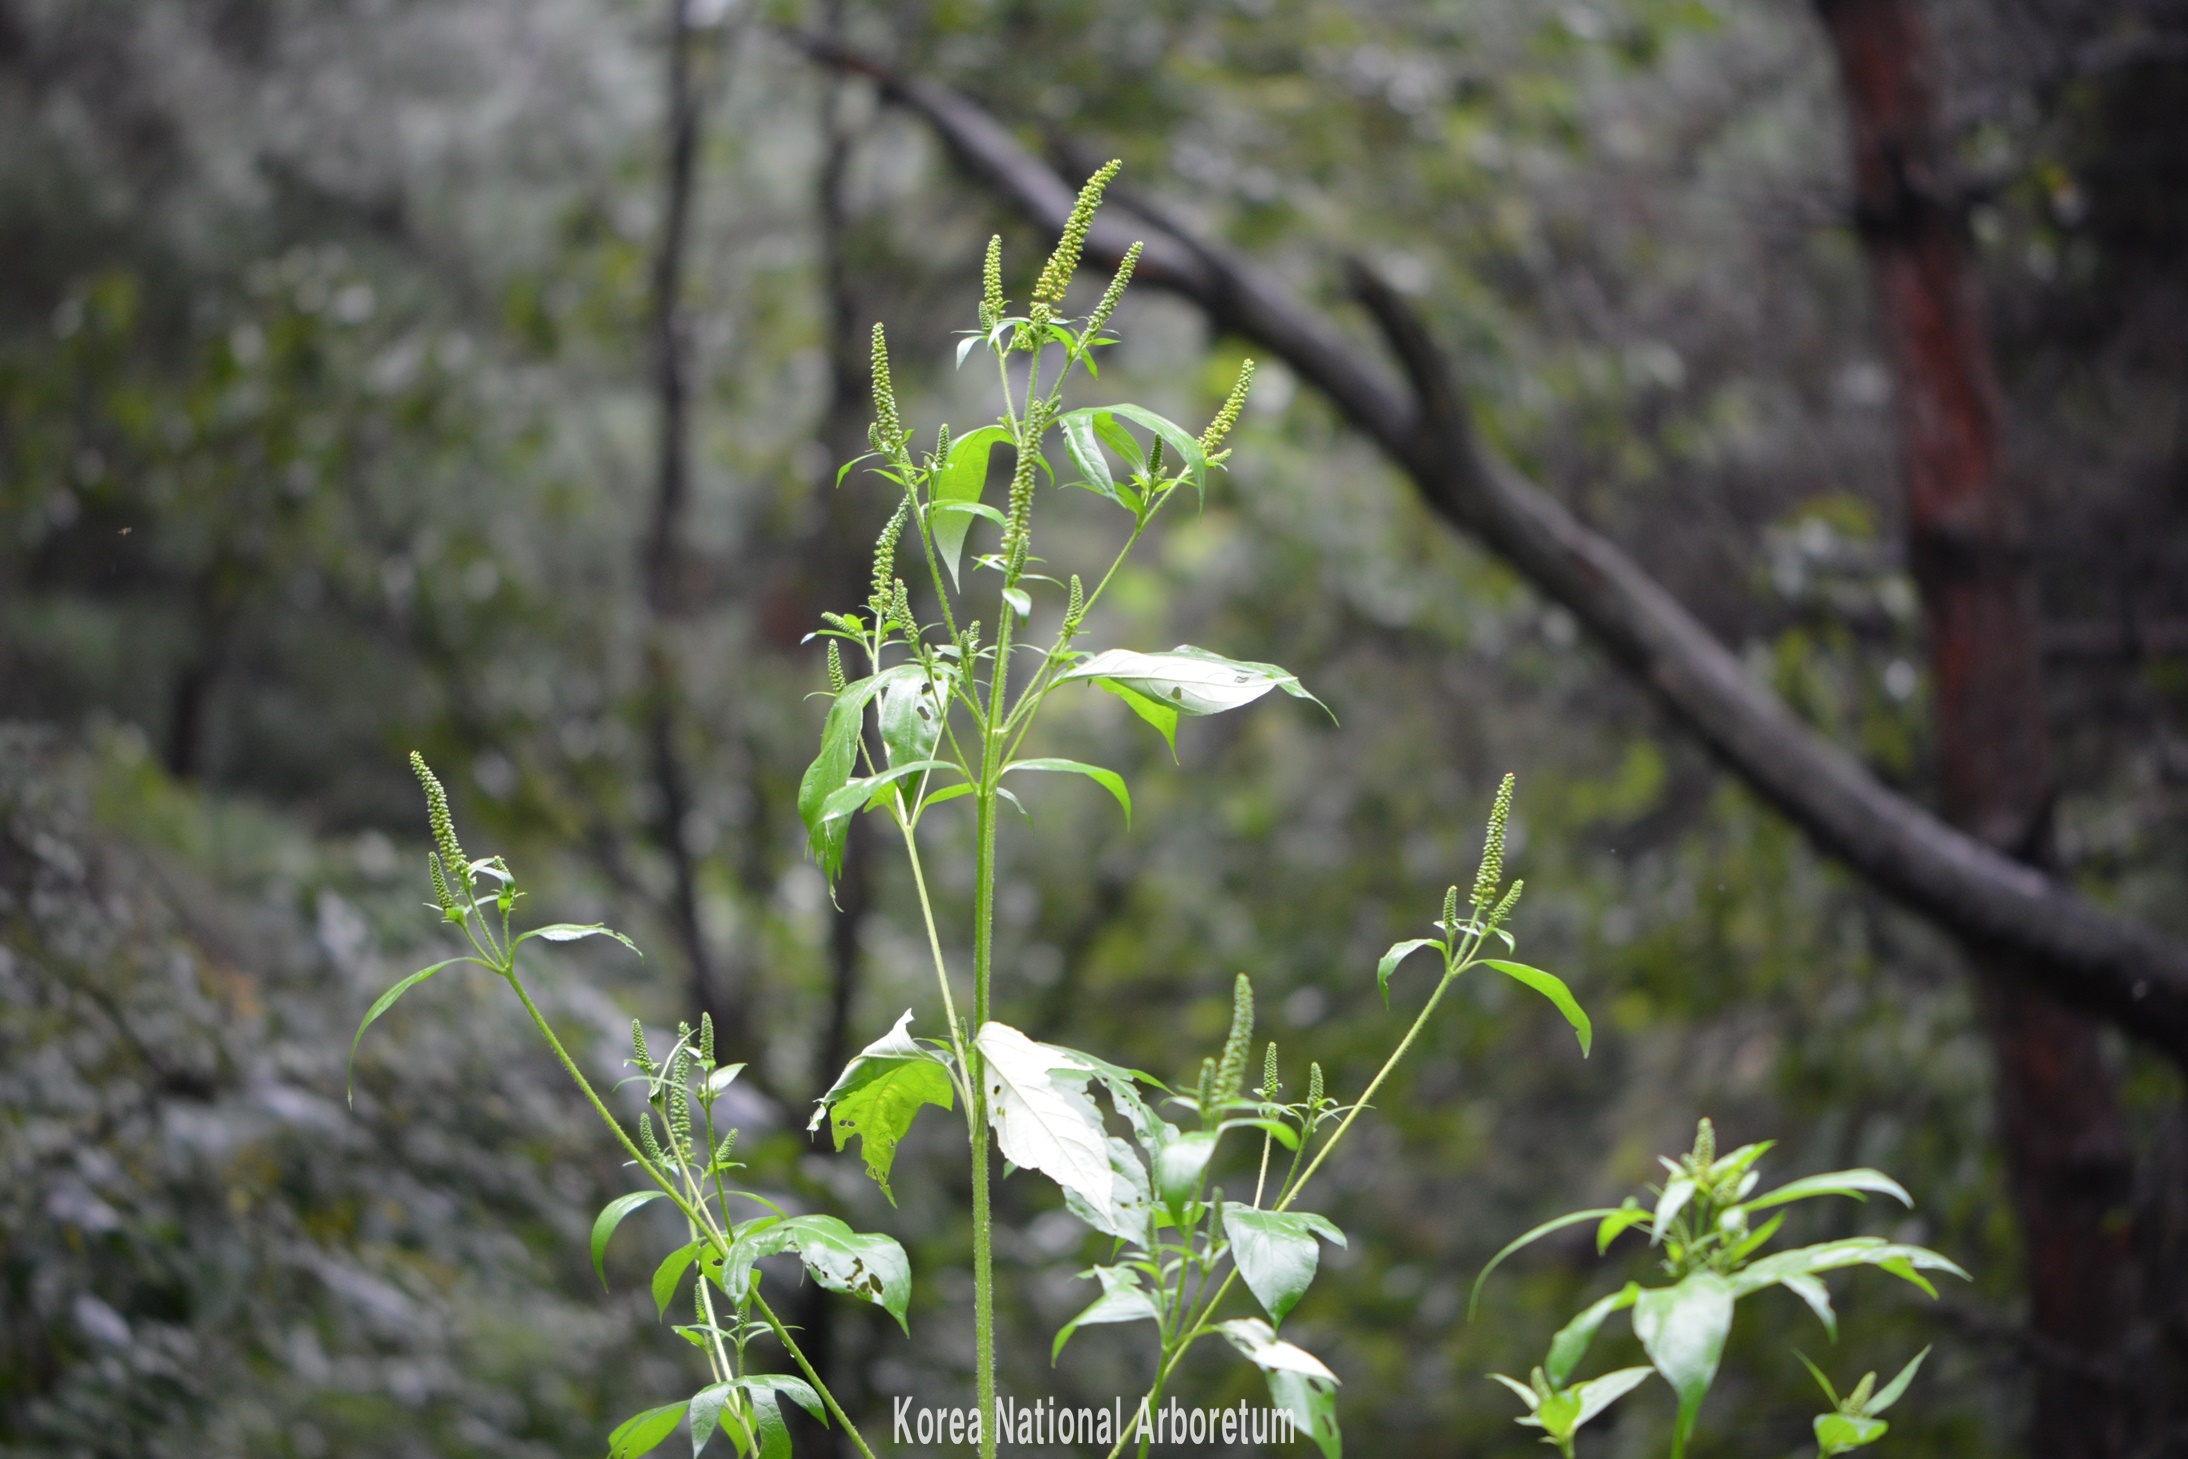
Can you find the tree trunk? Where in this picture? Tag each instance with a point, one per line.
(2067, 1153)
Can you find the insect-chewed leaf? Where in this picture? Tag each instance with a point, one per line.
(880, 1093)
(611, 1216)
(860, 1264)
(1037, 1101)
(961, 480)
(1189, 680)
(1276, 1252)
(643, 1432)
(1682, 1328)
(1122, 1300)
(1130, 1210)
(909, 711)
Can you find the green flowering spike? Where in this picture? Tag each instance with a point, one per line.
(638, 1046)
(900, 608)
(836, 681)
(1314, 1086)
(1451, 913)
(444, 825)
(1076, 608)
(1114, 292)
(1205, 1095)
(680, 1114)
(1705, 1145)
(646, 1140)
(1227, 417)
(706, 1040)
(888, 432)
(1154, 461)
(941, 446)
(885, 547)
(1504, 908)
(441, 893)
(1021, 484)
(1491, 875)
(993, 306)
(1064, 262)
(1231, 1071)
(1270, 1086)
(722, 1151)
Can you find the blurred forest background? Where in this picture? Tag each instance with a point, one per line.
(472, 375)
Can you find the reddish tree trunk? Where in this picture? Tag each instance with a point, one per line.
(2066, 1150)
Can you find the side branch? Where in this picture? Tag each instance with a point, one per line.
(2086, 956)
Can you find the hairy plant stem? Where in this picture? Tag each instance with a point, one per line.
(698, 1215)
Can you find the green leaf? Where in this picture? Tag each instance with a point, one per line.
(1399, 952)
(1108, 780)
(1677, 1192)
(865, 791)
(1553, 988)
(1897, 1388)
(1617, 1223)
(1683, 1329)
(611, 1216)
(1598, 1394)
(1184, 446)
(1178, 1168)
(1528, 1238)
(1276, 1130)
(909, 712)
(880, 1093)
(860, 1264)
(1122, 1300)
(1276, 1252)
(1020, 600)
(1840, 1433)
(1130, 1207)
(1298, 1380)
(1037, 1102)
(572, 931)
(962, 478)
(386, 1001)
(831, 768)
(642, 1433)
(1082, 439)
(670, 1273)
(1156, 713)
(1836, 1183)
(1904, 1262)
(1818, 1297)
(1571, 1343)
(1187, 679)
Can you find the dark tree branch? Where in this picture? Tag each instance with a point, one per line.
(2088, 957)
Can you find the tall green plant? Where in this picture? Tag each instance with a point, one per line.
(950, 723)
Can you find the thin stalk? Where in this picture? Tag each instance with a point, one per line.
(691, 1213)
(941, 969)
